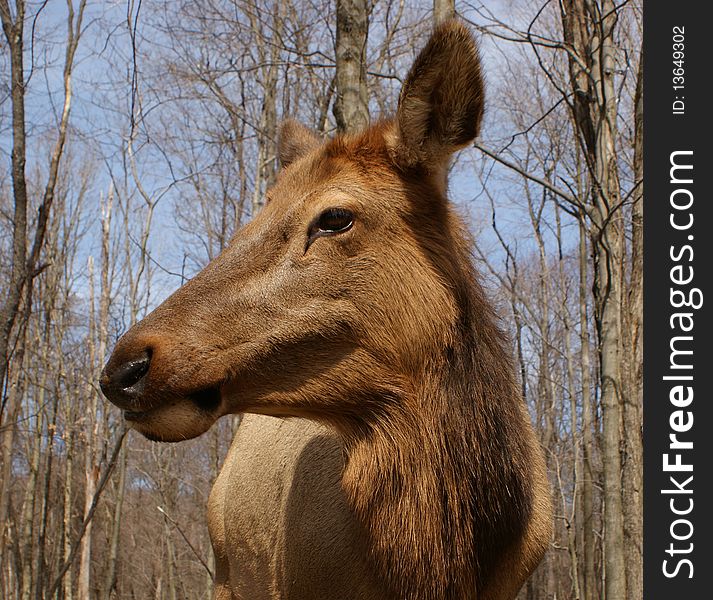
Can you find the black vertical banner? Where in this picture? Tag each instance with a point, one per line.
(678, 300)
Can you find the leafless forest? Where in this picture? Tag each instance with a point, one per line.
(136, 136)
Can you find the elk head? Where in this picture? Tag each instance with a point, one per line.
(339, 292)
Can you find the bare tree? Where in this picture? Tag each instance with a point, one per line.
(443, 10)
(174, 117)
(351, 104)
(584, 54)
(26, 249)
(24, 266)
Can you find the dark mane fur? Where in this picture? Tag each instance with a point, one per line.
(462, 422)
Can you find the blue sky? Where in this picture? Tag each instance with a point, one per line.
(101, 105)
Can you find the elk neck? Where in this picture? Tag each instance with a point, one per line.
(438, 476)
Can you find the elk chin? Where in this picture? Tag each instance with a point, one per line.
(177, 420)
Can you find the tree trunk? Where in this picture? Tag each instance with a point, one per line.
(574, 520)
(588, 474)
(589, 31)
(67, 584)
(608, 264)
(41, 571)
(91, 470)
(23, 268)
(110, 579)
(97, 352)
(351, 104)
(633, 462)
(170, 562)
(32, 491)
(18, 275)
(13, 403)
(443, 10)
(266, 167)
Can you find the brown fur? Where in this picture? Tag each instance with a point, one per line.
(381, 333)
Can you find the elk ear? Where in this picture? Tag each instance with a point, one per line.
(294, 141)
(441, 102)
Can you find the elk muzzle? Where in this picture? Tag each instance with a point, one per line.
(166, 392)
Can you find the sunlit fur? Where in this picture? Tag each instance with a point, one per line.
(383, 335)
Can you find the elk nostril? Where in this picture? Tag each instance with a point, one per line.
(131, 372)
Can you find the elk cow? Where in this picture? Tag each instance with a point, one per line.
(410, 469)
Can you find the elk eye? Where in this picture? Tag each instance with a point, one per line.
(331, 222)
(334, 220)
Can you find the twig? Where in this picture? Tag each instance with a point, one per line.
(183, 535)
(543, 182)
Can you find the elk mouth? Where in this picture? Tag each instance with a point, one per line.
(135, 415)
(174, 418)
(207, 400)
